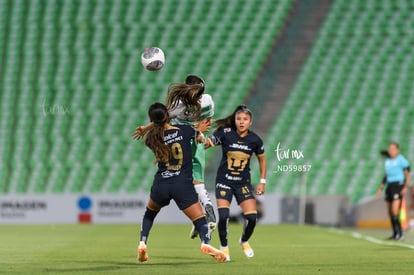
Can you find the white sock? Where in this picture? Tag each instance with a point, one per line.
(202, 194)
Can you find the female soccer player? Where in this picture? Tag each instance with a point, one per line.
(188, 104)
(396, 180)
(173, 180)
(233, 176)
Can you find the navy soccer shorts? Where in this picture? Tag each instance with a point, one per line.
(242, 192)
(184, 195)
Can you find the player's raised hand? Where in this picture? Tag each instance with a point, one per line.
(140, 131)
(204, 125)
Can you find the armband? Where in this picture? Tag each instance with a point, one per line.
(263, 181)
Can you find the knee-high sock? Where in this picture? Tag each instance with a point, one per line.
(202, 194)
(393, 226)
(203, 229)
(249, 225)
(396, 225)
(224, 214)
(147, 222)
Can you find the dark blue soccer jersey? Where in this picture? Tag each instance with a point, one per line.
(237, 151)
(180, 165)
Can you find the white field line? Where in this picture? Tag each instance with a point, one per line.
(371, 239)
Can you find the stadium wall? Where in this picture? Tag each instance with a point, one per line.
(371, 212)
(111, 209)
(326, 210)
(128, 208)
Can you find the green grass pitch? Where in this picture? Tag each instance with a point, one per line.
(279, 249)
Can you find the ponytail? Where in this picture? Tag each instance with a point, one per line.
(154, 138)
(188, 94)
(385, 153)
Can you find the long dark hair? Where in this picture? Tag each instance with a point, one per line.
(385, 153)
(154, 138)
(230, 121)
(194, 79)
(189, 94)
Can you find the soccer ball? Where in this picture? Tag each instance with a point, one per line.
(153, 59)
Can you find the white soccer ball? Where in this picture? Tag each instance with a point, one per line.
(153, 59)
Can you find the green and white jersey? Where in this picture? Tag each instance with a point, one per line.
(182, 115)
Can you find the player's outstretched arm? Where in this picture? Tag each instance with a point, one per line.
(141, 130)
(260, 189)
(202, 127)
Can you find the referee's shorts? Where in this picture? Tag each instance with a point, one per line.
(393, 191)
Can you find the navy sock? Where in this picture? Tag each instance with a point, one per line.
(249, 225)
(147, 222)
(203, 230)
(224, 214)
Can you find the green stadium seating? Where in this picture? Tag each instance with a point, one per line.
(353, 96)
(73, 88)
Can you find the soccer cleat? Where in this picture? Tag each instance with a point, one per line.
(248, 251)
(399, 237)
(142, 252)
(226, 251)
(218, 255)
(210, 216)
(193, 233)
(396, 237)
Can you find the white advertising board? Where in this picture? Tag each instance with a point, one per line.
(111, 208)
